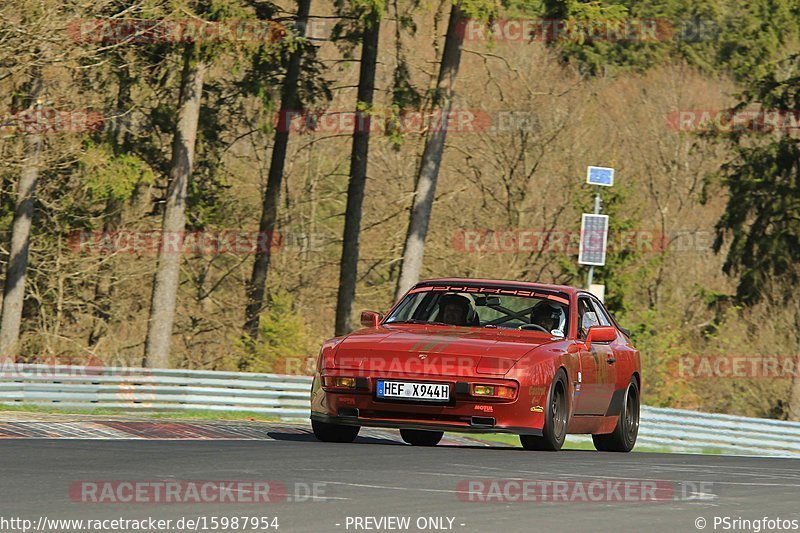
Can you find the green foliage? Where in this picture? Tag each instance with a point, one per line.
(661, 342)
(364, 8)
(762, 218)
(752, 33)
(480, 9)
(354, 15)
(725, 36)
(110, 176)
(583, 10)
(233, 11)
(282, 335)
(404, 94)
(264, 75)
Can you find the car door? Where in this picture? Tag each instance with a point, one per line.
(597, 373)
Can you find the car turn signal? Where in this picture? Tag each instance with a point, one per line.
(336, 382)
(493, 391)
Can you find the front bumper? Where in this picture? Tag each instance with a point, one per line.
(522, 415)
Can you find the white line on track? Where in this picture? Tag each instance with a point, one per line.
(387, 487)
(567, 475)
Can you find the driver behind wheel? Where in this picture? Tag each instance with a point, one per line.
(550, 316)
(454, 310)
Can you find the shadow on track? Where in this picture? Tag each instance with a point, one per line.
(309, 437)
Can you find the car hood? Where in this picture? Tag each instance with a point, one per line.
(434, 349)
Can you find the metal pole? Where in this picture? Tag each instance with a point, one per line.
(590, 277)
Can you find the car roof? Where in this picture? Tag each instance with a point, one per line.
(502, 282)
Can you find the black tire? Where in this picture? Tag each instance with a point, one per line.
(623, 438)
(556, 418)
(334, 432)
(421, 437)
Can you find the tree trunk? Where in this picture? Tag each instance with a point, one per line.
(14, 289)
(165, 285)
(348, 269)
(269, 210)
(431, 156)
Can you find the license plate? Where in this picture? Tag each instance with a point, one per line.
(406, 390)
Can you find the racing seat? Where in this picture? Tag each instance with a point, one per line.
(473, 320)
(468, 315)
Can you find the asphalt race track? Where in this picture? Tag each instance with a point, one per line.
(378, 476)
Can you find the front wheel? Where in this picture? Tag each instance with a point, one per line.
(623, 438)
(554, 431)
(334, 432)
(420, 437)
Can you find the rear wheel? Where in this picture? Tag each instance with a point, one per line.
(554, 431)
(624, 436)
(421, 437)
(327, 432)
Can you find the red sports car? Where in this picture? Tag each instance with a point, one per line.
(483, 356)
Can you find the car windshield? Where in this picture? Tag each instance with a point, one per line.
(467, 309)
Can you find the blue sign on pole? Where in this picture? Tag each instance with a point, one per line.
(600, 176)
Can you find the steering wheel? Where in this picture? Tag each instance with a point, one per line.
(534, 327)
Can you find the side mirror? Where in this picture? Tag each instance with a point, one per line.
(600, 334)
(370, 319)
(589, 321)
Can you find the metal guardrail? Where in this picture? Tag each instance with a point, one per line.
(679, 429)
(287, 397)
(146, 389)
